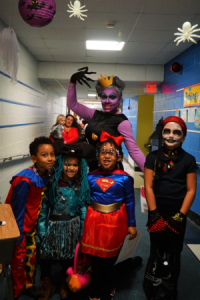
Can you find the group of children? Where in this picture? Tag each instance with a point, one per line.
(61, 208)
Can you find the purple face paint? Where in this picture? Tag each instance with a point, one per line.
(110, 100)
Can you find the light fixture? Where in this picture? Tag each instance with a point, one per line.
(91, 95)
(104, 45)
(91, 102)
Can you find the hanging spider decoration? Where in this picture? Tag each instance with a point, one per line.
(187, 33)
(77, 10)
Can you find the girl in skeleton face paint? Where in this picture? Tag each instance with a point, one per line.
(170, 186)
(173, 135)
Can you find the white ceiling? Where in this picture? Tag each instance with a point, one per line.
(147, 27)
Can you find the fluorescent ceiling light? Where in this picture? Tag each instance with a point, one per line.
(92, 102)
(104, 45)
(91, 95)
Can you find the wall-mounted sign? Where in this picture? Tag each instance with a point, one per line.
(184, 114)
(191, 115)
(192, 95)
(151, 88)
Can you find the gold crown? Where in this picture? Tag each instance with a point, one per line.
(105, 81)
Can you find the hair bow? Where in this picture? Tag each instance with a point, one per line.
(105, 136)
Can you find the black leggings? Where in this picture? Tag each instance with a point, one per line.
(102, 273)
(46, 266)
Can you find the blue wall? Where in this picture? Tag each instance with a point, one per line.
(169, 100)
(131, 114)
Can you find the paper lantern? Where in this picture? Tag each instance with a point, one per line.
(37, 13)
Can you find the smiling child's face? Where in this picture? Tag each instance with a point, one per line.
(70, 168)
(45, 157)
(173, 135)
(108, 157)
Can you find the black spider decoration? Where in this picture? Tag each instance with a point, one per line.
(50, 7)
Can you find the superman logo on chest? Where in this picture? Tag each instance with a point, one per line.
(105, 183)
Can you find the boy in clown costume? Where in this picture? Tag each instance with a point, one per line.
(25, 197)
(170, 187)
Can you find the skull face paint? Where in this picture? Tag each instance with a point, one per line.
(110, 100)
(172, 135)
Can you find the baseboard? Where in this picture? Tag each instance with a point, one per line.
(194, 217)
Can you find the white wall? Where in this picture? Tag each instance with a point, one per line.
(42, 107)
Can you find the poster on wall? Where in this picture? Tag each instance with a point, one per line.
(197, 118)
(184, 114)
(191, 114)
(192, 95)
(177, 112)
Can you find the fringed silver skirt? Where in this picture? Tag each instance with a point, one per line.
(61, 239)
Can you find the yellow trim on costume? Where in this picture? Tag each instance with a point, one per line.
(97, 248)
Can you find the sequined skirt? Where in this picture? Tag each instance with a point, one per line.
(61, 239)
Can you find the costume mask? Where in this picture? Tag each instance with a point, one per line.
(110, 100)
(172, 135)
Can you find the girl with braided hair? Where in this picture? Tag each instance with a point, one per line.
(64, 207)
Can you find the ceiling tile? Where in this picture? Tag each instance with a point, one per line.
(42, 57)
(36, 43)
(142, 47)
(132, 60)
(154, 36)
(68, 58)
(171, 7)
(39, 51)
(171, 47)
(123, 21)
(114, 5)
(162, 58)
(98, 53)
(110, 60)
(62, 34)
(68, 52)
(27, 31)
(162, 22)
(63, 44)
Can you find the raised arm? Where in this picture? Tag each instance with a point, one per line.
(81, 110)
(125, 129)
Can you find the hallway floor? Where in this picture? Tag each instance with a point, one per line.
(130, 286)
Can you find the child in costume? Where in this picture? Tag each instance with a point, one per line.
(110, 216)
(60, 224)
(57, 130)
(25, 197)
(170, 186)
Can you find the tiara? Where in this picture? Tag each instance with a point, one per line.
(105, 81)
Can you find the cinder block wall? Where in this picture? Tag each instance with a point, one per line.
(27, 110)
(166, 102)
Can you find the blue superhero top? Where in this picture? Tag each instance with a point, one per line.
(108, 187)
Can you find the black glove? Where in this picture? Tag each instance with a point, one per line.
(153, 216)
(177, 222)
(80, 76)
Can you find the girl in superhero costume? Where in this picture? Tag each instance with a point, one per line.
(60, 223)
(110, 119)
(170, 187)
(110, 216)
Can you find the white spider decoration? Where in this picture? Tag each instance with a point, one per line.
(187, 33)
(77, 10)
